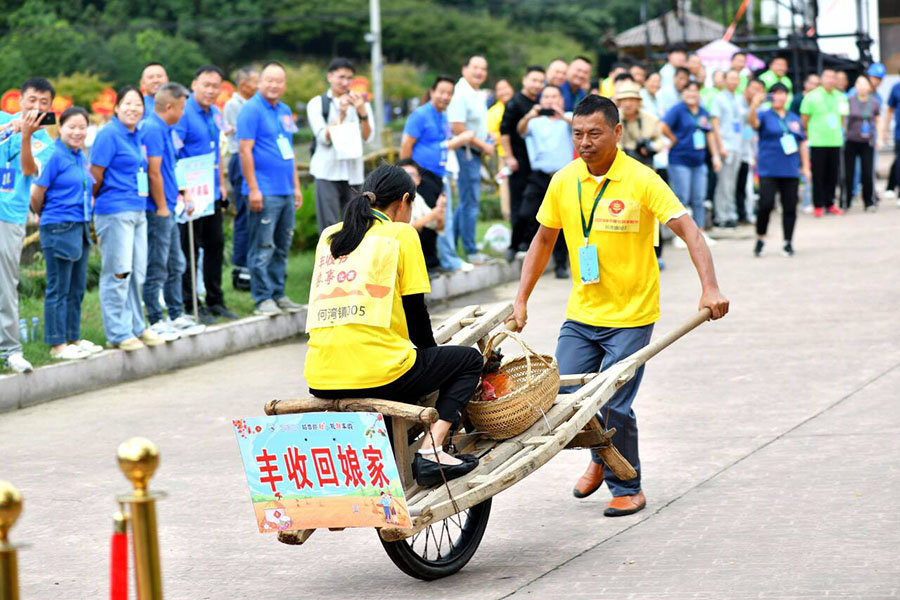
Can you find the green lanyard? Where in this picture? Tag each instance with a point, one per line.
(586, 226)
(782, 121)
(381, 216)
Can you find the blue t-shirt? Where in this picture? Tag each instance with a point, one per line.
(431, 131)
(683, 124)
(894, 102)
(14, 203)
(570, 100)
(549, 143)
(771, 160)
(149, 106)
(158, 142)
(198, 133)
(68, 183)
(265, 124)
(121, 153)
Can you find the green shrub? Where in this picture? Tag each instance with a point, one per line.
(83, 87)
(306, 230)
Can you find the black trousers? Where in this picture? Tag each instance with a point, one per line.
(430, 188)
(740, 194)
(866, 154)
(207, 235)
(535, 190)
(786, 189)
(517, 183)
(452, 370)
(826, 169)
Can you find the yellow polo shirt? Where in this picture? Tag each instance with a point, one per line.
(624, 230)
(494, 118)
(347, 355)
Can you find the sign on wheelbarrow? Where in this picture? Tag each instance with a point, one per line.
(317, 470)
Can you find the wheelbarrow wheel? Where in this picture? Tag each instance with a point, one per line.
(442, 548)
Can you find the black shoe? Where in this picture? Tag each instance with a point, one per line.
(203, 314)
(759, 247)
(562, 273)
(510, 255)
(240, 279)
(428, 473)
(220, 310)
(788, 250)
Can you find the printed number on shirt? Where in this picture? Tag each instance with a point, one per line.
(618, 216)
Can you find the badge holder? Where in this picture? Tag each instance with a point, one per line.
(7, 179)
(699, 139)
(788, 144)
(588, 255)
(287, 152)
(143, 185)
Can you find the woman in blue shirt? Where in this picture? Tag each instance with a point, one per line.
(688, 127)
(61, 196)
(121, 188)
(782, 151)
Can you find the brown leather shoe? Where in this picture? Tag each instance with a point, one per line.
(625, 505)
(590, 482)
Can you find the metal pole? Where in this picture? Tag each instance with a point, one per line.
(10, 509)
(138, 459)
(377, 76)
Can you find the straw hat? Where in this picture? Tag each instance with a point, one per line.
(628, 89)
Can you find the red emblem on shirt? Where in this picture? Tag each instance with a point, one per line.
(616, 207)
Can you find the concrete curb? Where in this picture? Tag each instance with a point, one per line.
(112, 367)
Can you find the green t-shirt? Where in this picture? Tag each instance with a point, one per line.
(825, 111)
(707, 94)
(769, 78)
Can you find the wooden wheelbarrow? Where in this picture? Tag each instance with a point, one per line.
(448, 522)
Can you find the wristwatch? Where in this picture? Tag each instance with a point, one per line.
(363, 117)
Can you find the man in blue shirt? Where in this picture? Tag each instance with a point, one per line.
(24, 148)
(265, 132)
(152, 77)
(579, 74)
(548, 139)
(197, 133)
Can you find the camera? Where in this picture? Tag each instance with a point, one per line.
(644, 147)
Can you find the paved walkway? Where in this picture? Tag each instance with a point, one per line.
(769, 444)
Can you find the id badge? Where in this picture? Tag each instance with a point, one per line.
(747, 132)
(832, 121)
(737, 126)
(588, 264)
(287, 152)
(865, 129)
(788, 144)
(699, 139)
(143, 184)
(7, 180)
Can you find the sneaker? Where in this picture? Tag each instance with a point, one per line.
(203, 314)
(757, 250)
(220, 310)
(834, 210)
(788, 249)
(267, 308)
(130, 345)
(889, 194)
(818, 212)
(151, 338)
(808, 209)
(186, 325)
(288, 305)
(872, 208)
(69, 352)
(510, 255)
(465, 267)
(165, 331)
(89, 346)
(17, 363)
(240, 279)
(477, 259)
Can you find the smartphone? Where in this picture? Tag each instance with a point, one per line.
(546, 112)
(49, 119)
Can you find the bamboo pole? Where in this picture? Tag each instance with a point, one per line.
(409, 412)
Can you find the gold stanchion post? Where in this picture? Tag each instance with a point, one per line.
(10, 509)
(138, 459)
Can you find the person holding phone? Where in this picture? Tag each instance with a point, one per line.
(121, 189)
(24, 147)
(61, 195)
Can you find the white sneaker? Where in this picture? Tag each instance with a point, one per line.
(465, 267)
(185, 325)
(808, 210)
(709, 241)
(267, 308)
(165, 331)
(889, 194)
(17, 363)
(89, 346)
(70, 352)
(679, 243)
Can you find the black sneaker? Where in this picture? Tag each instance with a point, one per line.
(757, 251)
(788, 250)
(203, 314)
(220, 310)
(240, 279)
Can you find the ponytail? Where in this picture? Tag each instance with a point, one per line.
(384, 186)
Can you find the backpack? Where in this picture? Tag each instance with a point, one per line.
(326, 108)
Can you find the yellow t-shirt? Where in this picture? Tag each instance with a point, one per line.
(494, 117)
(624, 229)
(358, 336)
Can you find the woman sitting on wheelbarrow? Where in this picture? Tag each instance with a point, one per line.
(369, 330)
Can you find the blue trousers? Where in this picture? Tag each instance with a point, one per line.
(271, 231)
(446, 248)
(689, 184)
(66, 248)
(466, 215)
(241, 237)
(165, 267)
(586, 349)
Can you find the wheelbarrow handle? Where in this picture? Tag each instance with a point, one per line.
(670, 337)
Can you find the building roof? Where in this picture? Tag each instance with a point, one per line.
(697, 30)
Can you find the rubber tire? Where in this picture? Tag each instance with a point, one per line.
(414, 565)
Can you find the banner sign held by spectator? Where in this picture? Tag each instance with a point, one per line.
(197, 174)
(321, 470)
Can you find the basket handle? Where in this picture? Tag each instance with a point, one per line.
(528, 350)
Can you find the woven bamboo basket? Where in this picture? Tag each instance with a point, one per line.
(537, 379)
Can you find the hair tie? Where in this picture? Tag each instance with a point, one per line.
(370, 196)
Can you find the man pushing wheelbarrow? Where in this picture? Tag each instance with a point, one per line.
(609, 207)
